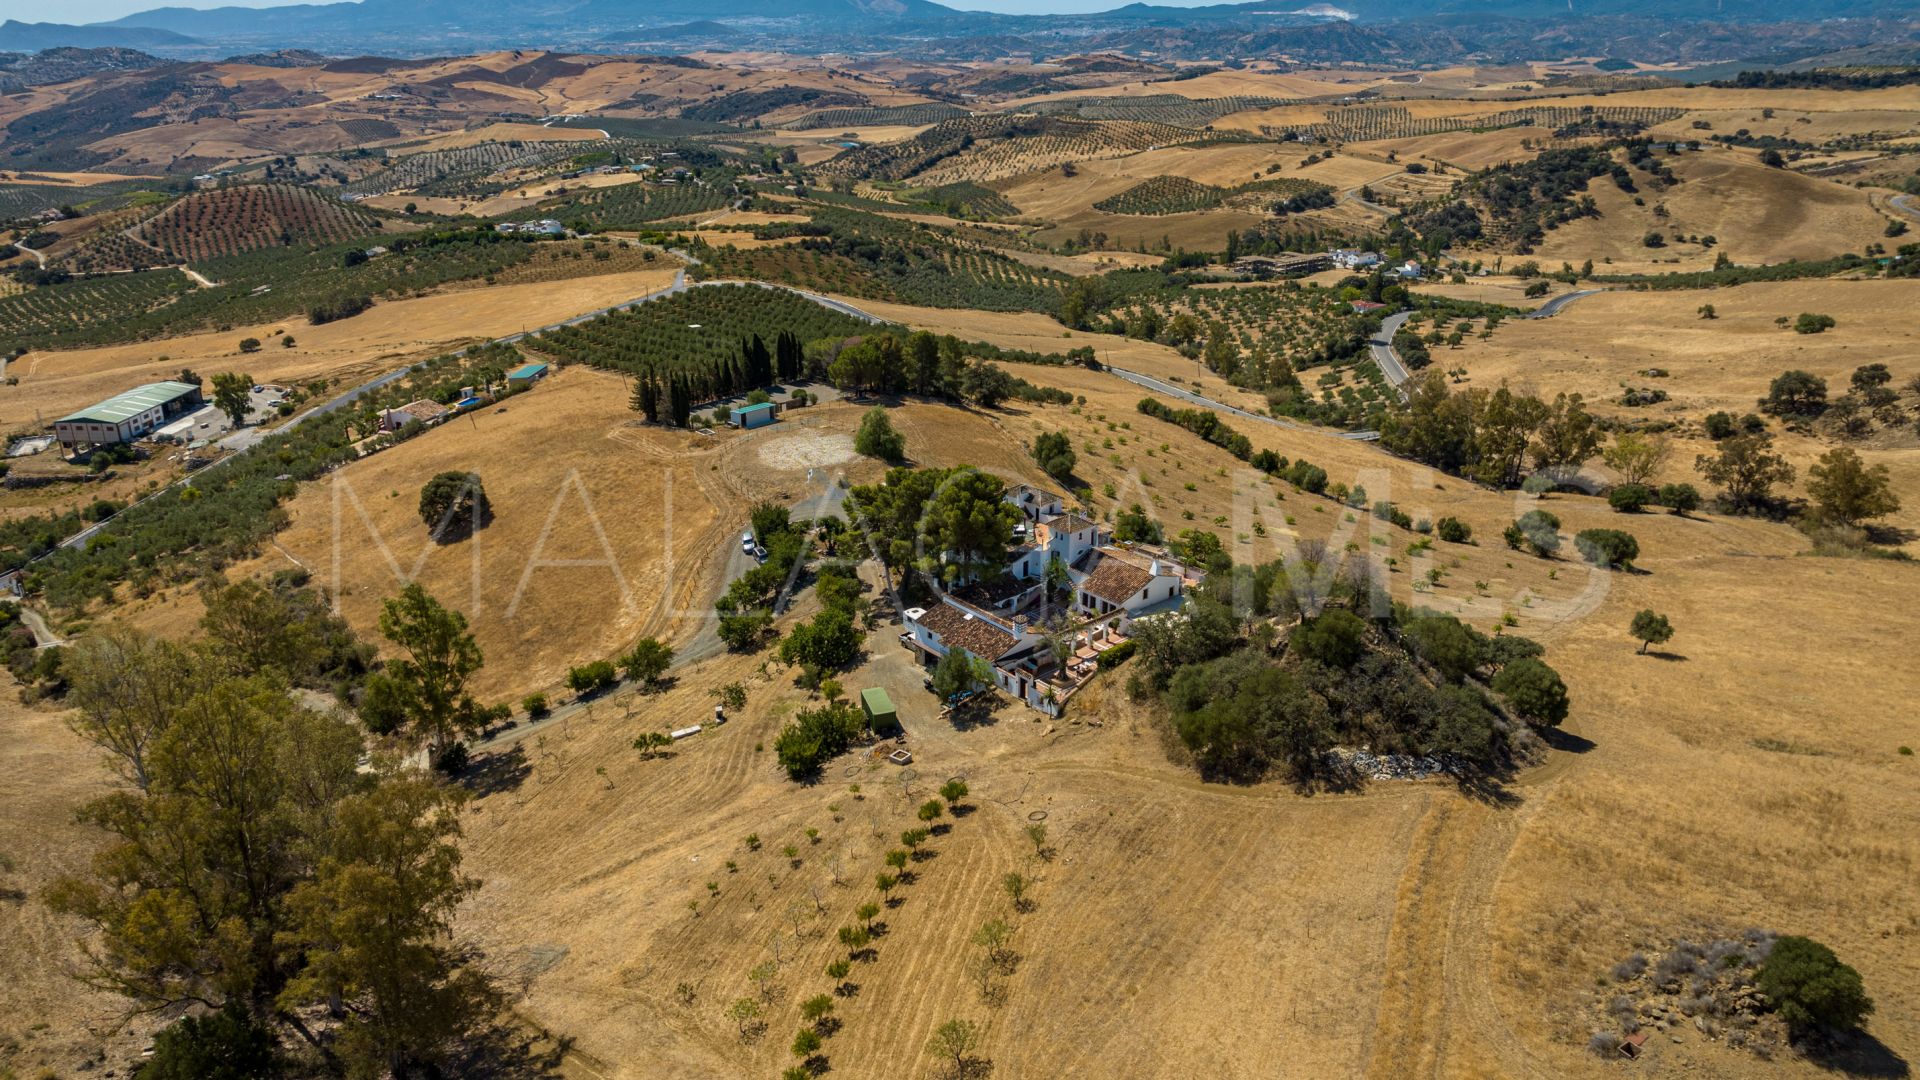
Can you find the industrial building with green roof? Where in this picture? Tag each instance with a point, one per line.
(127, 416)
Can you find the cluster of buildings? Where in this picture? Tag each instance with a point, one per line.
(1041, 653)
(543, 227)
(429, 412)
(1288, 263)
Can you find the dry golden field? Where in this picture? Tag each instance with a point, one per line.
(1179, 926)
(1758, 215)
(1600, 345)
(1419, 931)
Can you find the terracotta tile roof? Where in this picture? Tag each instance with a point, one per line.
(1115, 581)
(976, 635)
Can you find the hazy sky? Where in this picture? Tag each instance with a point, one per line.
(87, 11)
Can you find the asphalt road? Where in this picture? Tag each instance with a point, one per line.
(1170, 390)
(1552, 307)
(1381, 346)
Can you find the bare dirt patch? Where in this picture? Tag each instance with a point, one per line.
(806, 451)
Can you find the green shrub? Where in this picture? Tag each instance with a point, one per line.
(535, 705)
(1679, 498)
(1534, 690)
(1453, 530)
(1115, 656)
(1607, 547)
(816, 736)
(591, 677)
(1811, 989)
(1630, 498)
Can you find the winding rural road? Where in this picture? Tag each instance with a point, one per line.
(38, 257)
(1381, 346)
(1170, 390)
(1552, 307)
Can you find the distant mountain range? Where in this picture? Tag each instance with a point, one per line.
(1406, 32)
(16, 36)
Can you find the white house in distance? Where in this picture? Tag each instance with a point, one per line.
(1004, 620)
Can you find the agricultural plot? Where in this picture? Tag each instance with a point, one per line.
(1304, 346)
(932, 112)
(695, 334)
(367, 130)
(260, 285)
(1158, 108)
(1365, 123)
(112, 250)
(89, 309)
(880, 258)
(983, 148)
(25, 200)
(235, 220)
(631, 206)
(1179, 195)
(963, 200)
(465, 164)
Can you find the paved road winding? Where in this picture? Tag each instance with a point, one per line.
(1170, 390)
(1552, 307)
(1381, 346)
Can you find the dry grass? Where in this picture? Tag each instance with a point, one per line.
(49, 1022)
(1598, 345)
(1416, 931)
(1758, 215)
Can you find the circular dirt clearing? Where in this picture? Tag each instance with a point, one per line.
(796, 452)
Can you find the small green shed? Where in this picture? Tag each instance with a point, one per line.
(879, 709)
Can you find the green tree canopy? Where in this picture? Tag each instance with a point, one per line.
(429, 682)
(1810, 988)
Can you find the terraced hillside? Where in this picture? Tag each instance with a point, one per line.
(1158, 108)
(932, 112)
(983, 148)
(1363, 123)
(235, 220)
(1179, 195)
(465, 164)
(695, 335)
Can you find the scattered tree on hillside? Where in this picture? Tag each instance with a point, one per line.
(125, 688)
(1795, 393)
(1650, 628)
(1534, 690)
(1811, 989)
(429, 684)
(1747, 469)
(647, 661)
(454, 505)
(1053, 452)
(1848, 491)
(1682, 499)
(954, 1043)
(1637, 457)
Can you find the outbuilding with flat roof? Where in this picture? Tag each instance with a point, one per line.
(526, 375)
(753, 416)
(128, 416)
